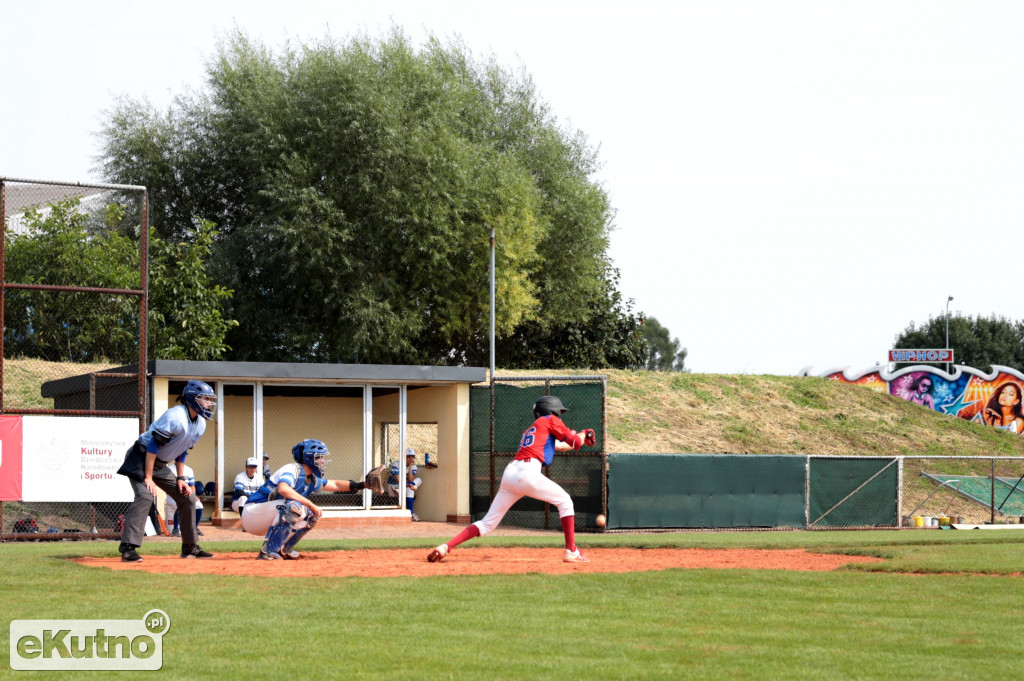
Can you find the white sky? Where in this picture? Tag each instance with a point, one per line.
(795, 181)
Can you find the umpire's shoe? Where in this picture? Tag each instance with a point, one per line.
(194, 551)
(129, 554)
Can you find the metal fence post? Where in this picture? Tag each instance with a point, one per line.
(992, 486)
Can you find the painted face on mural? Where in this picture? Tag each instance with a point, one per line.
(1009, 396)
(924, 386)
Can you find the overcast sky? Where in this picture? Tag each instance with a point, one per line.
(795, 182)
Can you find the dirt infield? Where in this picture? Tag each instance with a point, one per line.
(483, 561)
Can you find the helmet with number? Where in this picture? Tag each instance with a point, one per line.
(314, 454)
(549, 404)
(200, 398)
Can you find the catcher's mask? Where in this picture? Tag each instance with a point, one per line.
(314, 454)
(549, 404)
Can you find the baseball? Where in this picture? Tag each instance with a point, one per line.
(601, 520)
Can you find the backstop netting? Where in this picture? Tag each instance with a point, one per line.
(495, 430)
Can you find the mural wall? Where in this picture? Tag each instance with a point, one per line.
(967, 393)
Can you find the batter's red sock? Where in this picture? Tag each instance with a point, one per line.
(468, 533)
(569, 528)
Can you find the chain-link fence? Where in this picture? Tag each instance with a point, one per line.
(73, 264)
(969, 490)
(508, 405)
(908, 492)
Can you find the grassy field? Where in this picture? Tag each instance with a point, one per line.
(944, 605)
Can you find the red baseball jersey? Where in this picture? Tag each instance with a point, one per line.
(538, 442)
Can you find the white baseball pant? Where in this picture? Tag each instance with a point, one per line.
(524, 479)
(257, 518)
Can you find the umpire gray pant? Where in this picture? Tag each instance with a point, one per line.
(135, 519)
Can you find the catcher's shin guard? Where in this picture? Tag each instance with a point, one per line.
(294, 539)
(277, 536)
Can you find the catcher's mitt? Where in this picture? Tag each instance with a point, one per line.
(589, 437)
(375, 479)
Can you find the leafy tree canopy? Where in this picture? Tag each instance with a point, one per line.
(355, 184)
(978, 341)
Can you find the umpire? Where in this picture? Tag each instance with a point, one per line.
(147, 466)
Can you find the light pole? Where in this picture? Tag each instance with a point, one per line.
(492, 306)
(948, 300)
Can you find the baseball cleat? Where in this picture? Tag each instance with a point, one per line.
(438, 553)
(129, 555)
(292, 555)
(574, 557)
(263, 555)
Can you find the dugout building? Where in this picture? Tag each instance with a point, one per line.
(366, 414)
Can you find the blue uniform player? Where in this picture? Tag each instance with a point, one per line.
(149, 464)
(412, 482)
(246, 484)
(281, 510)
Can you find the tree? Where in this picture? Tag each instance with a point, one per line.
(664, 353)
(976, 341)
(60, 245)
(355, 185)
(186, 319)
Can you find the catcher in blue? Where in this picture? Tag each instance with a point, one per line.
(281, 510)
(147, 465)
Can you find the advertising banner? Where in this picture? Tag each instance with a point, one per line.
(72, 458)
(10, 458)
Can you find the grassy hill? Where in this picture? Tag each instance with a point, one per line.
(653, 412)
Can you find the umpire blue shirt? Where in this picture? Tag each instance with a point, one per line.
(176, 430)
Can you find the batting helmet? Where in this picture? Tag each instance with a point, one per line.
(549, 404)
(314, 454)
(200, 398)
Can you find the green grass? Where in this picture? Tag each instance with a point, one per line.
(944, 605)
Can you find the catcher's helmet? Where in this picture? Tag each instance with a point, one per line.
(314, 454)
(200, 398)
(549, 404)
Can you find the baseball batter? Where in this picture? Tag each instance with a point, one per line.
(280, 510)
(523, 477)
(246, 484)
